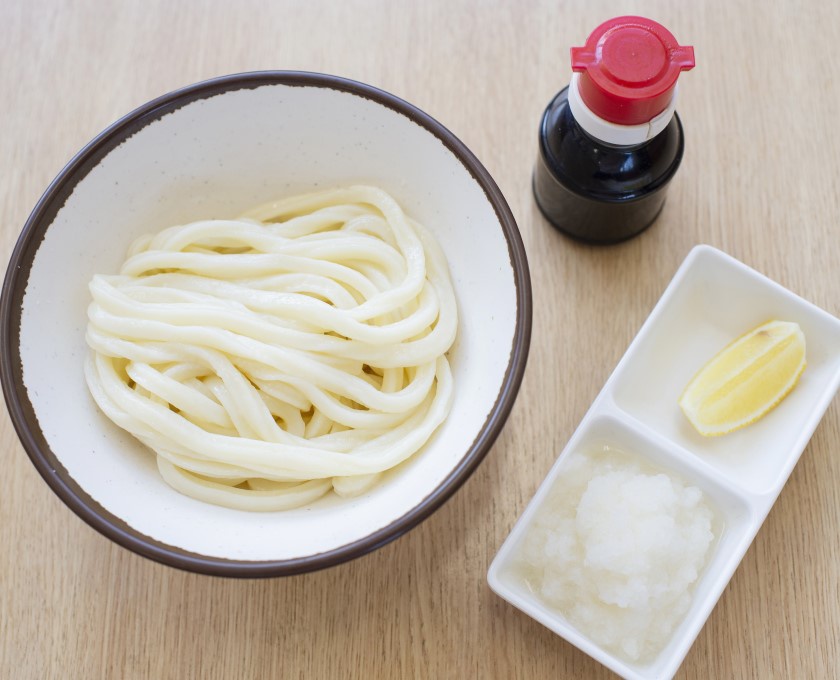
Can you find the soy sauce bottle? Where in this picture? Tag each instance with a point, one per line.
(611, 141)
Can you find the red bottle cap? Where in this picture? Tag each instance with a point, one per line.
(629, 69)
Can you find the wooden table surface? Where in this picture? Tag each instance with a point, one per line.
(759, 180)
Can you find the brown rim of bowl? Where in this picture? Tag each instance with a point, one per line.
(23, 415)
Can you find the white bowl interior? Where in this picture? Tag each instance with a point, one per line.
(215, 157)
(715, 300)
(735, 527)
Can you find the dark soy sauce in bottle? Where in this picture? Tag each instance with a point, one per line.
(611, 141)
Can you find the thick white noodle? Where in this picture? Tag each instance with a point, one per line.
(271, 358)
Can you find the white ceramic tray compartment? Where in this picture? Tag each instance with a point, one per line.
(735, 521)
(712, 299)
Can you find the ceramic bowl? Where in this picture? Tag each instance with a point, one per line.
(213, 150)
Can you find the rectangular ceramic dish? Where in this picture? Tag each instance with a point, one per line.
(711, 300)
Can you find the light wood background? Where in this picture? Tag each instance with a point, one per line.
(759, 180)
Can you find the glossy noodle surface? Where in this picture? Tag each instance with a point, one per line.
(272, 358)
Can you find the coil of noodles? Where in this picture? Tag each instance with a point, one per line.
(272, 358)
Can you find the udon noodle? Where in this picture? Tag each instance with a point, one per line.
(271, 358)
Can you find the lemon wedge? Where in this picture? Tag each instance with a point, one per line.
(746, 379)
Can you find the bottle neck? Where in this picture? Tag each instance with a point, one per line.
(611, 133)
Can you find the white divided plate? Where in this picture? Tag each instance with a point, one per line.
(712, 299)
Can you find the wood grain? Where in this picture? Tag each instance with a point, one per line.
(759, 180)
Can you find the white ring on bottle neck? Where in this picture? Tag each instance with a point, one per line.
(613, 133)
